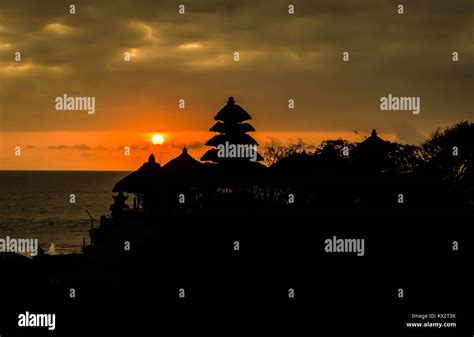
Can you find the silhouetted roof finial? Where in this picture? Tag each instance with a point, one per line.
(185, 149)
(231, 101)
(374, 133)
(151, 158)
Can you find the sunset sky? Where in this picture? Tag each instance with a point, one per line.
(191, 56)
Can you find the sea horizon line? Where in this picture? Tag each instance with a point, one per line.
(2, 170)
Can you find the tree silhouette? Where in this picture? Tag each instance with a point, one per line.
(334, 154)
(276, 151)
(404, 159)
(450, 153)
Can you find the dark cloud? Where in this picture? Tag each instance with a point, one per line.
(73, 147)
(88, 155)
(190, 56)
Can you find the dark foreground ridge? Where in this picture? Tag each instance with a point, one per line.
(216, 276)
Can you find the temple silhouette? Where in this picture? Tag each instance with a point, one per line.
(374, 173)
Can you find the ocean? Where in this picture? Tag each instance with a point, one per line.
(36, 205)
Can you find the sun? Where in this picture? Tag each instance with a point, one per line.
(157, 139)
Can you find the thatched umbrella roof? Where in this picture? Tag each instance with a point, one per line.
(232, 113)
(239, 139)
(142, 179)
(372, 155)
(183, 168)
(373, 143)
(210, 155)
(232, 128)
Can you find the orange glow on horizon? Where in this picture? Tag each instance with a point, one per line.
(107, 151)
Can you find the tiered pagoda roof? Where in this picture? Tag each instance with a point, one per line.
(231, 128)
